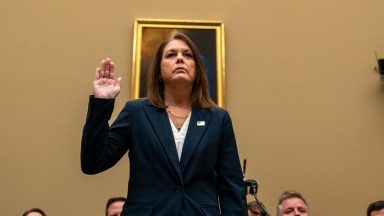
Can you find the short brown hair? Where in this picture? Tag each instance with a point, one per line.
(155, 87)
(112, 200)
(375, 206)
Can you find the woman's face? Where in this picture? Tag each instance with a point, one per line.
(177, 63)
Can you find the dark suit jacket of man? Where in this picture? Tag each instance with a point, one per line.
(206, 181)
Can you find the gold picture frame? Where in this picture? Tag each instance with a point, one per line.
(208, 37)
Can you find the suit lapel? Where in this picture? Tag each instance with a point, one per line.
(162, 128)
(197, 126)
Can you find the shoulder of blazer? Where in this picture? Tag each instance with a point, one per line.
(219, 111)
(138, 103)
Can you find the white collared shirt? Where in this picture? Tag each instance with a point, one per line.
(179, 136)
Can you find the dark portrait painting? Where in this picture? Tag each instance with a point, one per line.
(208, 37)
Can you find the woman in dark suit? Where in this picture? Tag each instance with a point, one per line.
(181, 146)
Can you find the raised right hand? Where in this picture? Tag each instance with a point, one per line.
(105, 85)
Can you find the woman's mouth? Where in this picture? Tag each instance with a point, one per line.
(180, 70)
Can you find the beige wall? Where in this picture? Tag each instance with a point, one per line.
(306, 103)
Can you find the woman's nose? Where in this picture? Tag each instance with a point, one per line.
(180, 58)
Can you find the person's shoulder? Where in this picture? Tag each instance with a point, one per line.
(136, 103)
(219, 111)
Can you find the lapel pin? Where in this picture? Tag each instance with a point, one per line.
(200, 123)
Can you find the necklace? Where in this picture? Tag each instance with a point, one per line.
(175, 117)
(178, 125)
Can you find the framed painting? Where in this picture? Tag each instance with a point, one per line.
(208, 37)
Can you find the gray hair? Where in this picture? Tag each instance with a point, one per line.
(288, 195)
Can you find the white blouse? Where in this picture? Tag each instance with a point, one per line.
(179, 136)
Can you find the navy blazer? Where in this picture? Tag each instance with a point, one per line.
(206, 181)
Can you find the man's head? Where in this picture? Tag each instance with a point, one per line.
(114, 206)
(292, 203)
(254, 209)
(34, 212)
(376, 208)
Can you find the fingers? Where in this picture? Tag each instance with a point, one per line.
(104, 72)
(97, 74)
(111, 70)
(106, 69)
(118, 81)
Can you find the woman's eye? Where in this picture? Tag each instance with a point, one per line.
(170, 55)
(188, 54)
